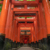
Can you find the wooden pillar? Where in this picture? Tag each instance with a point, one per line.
(11, 22)
(40, 26)
(4, 16)
(47, 14)
(32, 34)
(8, 22)
(42, 17)
(16, 36)
(19, 34)
(36, 29)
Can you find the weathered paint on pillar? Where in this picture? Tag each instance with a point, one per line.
(47, 14)
(44, 29)
(36, 29)
(32, 33)
(8, 22)
(40, 26)
(18, 34)
(4, 16)
(11, 22)
(16, 31)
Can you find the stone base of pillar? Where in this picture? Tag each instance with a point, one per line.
(2, 38)
(7, 44)
(14, 45)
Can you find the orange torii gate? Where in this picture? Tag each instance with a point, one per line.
(38, 29)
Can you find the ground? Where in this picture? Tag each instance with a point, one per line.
(25, 47)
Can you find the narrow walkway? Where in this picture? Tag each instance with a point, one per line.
(25, 47)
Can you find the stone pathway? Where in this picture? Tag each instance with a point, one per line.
(25, 47)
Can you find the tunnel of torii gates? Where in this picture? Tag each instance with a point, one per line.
(24, 21)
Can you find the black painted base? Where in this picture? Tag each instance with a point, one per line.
(14, 45)
(21, 44)
(44, 40)
(32, 44)
(2, 38)
(40, 44)
(44, 44)
(7, 44)
(29, 44)
(48, 38)
(18, 44)
(37, 44)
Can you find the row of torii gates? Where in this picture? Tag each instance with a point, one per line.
(10, 24)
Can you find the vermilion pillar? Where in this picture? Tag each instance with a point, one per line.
(11, 22)
(40, 26)
(32, 33)
(16, 31)
(3, 16)
(8, 22)
(19, 34)
(42, 17)
(47, 14)
(36, 29)
(33, 36)
(7, 27)
(13, 34)
(47, 18)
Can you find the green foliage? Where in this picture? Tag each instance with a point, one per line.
(21, 17)
(29, 17)
(30, 0)
(20, 0)
(0, 0)
(0, 7)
